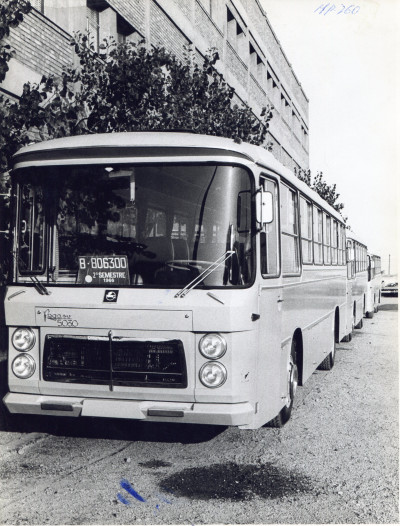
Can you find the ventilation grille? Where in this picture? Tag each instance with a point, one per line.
(121, 362)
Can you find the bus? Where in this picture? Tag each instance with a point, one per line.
(357, 280)
(168, 277)
(374, 285)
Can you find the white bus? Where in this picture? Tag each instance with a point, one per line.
(357, 274)
(168, 277)
(374, 285)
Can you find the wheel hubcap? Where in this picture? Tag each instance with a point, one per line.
(293, 381)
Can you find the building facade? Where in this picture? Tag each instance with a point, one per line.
(251, 58)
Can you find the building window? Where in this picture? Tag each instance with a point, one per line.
(256, 64)
(93, 27)
(285, 109)
(236, 35)
(126, 32)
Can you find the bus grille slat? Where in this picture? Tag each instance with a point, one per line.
(134, 363)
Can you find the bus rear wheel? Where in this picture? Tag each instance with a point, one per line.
(359, 325)
(292, 383)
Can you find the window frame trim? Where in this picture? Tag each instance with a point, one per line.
(265, 175)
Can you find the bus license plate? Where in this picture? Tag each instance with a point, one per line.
(103, 270)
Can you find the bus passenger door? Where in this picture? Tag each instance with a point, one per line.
(269, 363)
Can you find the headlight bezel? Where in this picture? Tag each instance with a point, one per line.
(217, 365)
(220, 339)
(32, 342)
(31, 362)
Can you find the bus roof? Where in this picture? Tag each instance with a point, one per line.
(351, 235)
(144, 146)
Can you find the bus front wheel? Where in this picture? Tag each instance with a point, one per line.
(292, 383)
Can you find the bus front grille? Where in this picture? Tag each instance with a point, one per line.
(73, 359)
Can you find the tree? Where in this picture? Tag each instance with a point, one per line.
(129, 88)
(319, 185)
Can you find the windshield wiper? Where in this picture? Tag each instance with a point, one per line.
(39, 286)
(206, 272)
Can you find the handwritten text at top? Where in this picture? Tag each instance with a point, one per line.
(340, 9)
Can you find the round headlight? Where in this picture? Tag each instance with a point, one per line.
(23, 339)
(23, 366)
(212, 346)
(212, 374)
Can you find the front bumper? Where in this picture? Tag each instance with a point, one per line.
(192, 413)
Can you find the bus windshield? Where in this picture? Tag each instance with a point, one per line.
(146, 225)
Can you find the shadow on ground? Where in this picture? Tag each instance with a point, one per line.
(389, 306)
(236, 482)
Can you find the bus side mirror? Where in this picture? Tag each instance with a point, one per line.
(265, 207)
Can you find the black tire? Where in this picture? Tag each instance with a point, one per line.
(369, 314)
(329, 361)
(359, 325)
(293, 380)
(347, 338)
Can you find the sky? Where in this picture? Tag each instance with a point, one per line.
(348, 65)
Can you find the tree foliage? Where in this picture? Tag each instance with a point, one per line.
(323, 189)
(128, 88)
(11, 14)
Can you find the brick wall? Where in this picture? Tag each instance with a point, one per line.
(186, 6)
(41, 45)
(235, 65)
(208, 29)
(133, 11)
(163, 32)
(257, 94)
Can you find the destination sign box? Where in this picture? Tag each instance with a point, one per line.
(103, 270)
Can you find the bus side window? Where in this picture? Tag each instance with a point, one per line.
(269, 244)
(318, 258)
(306, 224)
(290, 234)
(334, 242)
(327, 239)
(351, 262)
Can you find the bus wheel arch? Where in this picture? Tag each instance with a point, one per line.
(329, 361)
(337, 325)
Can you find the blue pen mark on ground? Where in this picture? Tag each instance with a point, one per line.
(125, 484)
(123, 499)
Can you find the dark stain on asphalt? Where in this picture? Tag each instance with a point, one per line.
(155, 464)
(237, 482)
